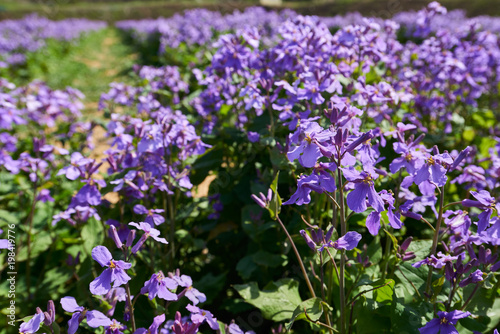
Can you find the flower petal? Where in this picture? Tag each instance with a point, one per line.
(102, 255)
(356, 199)
(69, 304)
(373, 222)
(96, 319)
(102, 284)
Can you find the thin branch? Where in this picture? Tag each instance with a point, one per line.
(333, 200)
(319, 323)
(428, 224)
(309, 285)
(416, 290)
(452, 203)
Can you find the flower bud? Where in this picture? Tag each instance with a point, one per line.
(51, 309)
(139, 243)
(364, 137)
(308, 239)
(114, 235)
(461, 157)
(259, 201)
(130, 238)
(404, 246)
(409, 256)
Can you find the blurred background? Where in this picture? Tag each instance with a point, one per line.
(113, 10)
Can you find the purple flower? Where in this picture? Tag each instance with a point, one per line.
(44, 196)
(363, 187)
(114, 328)
(410, 158)
(198, 316)
(348, 242)
(253, 137)
(190, 292)
(153, 218)
(445, 322)
(94, 318)
(148, 232)
(373, 222)
(263, 201)
(235, 329)
(88, 195)
(114, 296)
(436, 262)
(73, 171)
(308, 152)
(114, 273)
(33, 325)
(484, 202)
(153, 329)
(181, 325)
(319, 181)
(160, 286)
(475, 277)
(433, 171)
(4, 243)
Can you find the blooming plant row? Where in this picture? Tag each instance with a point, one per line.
(335, 176)
(17, 37)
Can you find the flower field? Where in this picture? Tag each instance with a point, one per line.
(252, 172)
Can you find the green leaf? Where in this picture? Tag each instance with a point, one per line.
(421, 248)
(267, 259)
(384, 294)
(437, 285)
(40, 242)
(222, 329)
(224, 109)
(212, 285)
(313, 308)
(369, 318)
(374, 250)
(394, 240)
(277, 301)
(469, 133)
(490, 281)
(407, 318)
(246, 266)
(485, 305)
(275, 205)
(8, 217)
(92, 235)
(412, 278)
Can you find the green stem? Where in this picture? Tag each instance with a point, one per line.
(386, 255)
(327, 316)
(452, 203)
(435, 239)
(309, 285)
(343, 231)
(132, 317)
(170, 207)
(470, 297)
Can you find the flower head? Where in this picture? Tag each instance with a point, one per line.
(445, 323)
(114, 273)
(33, 325)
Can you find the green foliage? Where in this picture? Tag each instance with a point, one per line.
(309, 310)
(277, 300)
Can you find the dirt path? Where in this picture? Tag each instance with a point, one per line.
(107, 60)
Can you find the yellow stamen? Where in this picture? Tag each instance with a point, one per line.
(308, 138)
